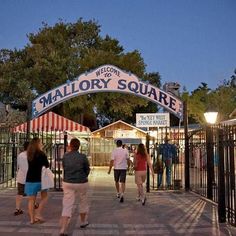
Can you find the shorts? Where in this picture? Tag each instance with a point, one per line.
(70, 191)
(31, 189)
(20, 189)
(140, 177)
(120, 176)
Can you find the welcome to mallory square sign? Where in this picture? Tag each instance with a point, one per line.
(106, 78)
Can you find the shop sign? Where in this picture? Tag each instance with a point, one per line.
(107, 78)
(152, 120)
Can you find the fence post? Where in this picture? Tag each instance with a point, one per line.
(14, 157)
(65, 141)
(186, 147)
(148, 171)
(221, 179)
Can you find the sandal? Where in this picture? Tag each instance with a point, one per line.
(18, 212)
(39, 221)
(36, 205)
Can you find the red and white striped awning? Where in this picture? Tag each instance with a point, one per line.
(51, 122)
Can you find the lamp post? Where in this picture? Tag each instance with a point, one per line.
(210, 117)
(221, 178)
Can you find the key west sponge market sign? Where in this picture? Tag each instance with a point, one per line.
(107, 78)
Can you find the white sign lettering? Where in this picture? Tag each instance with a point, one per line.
(106, 78)
(152, 119)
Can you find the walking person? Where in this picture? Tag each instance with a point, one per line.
(168, 152)
(36, 160)
(120, 161)
(76, 170)
(141, 160)
(22, 168)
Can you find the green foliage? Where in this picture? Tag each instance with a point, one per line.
(61, 52)
(222, 99)
(15, 87)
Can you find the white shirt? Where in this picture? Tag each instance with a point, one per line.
(22, 167)
(120, 157)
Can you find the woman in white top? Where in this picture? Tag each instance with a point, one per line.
(22, 168)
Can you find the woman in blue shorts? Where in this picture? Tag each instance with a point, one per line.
(36, 160)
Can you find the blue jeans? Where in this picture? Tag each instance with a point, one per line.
(168, 175)
(159, 179)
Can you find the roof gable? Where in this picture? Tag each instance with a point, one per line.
(119, 121)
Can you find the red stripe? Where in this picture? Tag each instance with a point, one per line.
(57, 127)
(61, 127)
(34, 128)
(48, 121)
(43, 122)
(53, 121)
(38, 124)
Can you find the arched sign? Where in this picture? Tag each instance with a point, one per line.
(106, 78)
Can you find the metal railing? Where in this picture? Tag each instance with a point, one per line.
(212, 154)
(11, 144)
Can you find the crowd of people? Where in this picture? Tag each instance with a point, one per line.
(76, 170)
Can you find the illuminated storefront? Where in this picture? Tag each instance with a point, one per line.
(103, 140)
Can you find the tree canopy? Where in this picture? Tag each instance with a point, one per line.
(222, 99)
(61, 52)
(58, 53)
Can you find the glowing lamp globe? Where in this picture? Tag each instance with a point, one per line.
(211, 117)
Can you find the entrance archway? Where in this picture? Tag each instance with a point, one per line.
(106, 78)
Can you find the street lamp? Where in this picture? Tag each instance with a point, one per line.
(211, 117)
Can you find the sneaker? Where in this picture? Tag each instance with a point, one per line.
(122, 199)
(144, 201)
(118, 195)
(18, 212)
(84, 225)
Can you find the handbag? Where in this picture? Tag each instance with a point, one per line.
(47, 178)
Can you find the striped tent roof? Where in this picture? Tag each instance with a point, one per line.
(51, 122)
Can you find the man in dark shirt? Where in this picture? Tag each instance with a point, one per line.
(168, 152)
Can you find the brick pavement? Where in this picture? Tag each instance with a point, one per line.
(165, 213)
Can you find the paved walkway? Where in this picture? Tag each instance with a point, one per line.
(165, 213)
